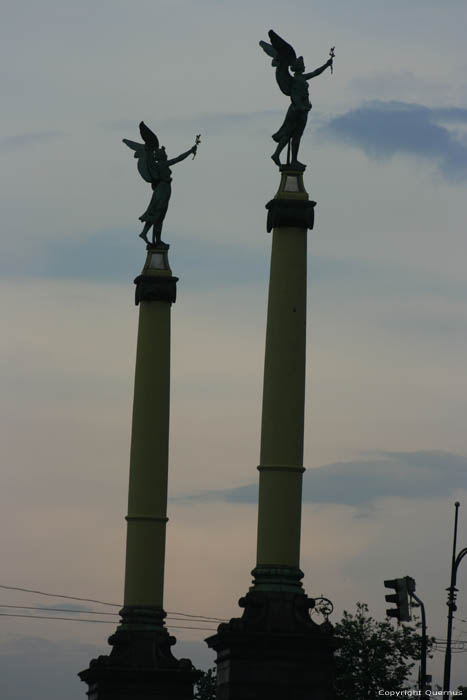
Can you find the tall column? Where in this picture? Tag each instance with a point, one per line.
(149, 456)
(281, 457)
(275, 649)
(141, 665)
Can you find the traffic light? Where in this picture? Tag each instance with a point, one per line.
(428, 682)
(400, 598)
(410, 585)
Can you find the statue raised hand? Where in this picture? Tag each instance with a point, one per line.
(154, 167)
(294, 86)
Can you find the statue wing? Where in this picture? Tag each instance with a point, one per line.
(134, 146)
(148, 136)
(141, 154)
(270, 50)
(285, 57)
(285, 52)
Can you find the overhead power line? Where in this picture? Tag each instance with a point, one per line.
(54, 617)
(77, 612)
(59, 595)
(81, 619)
(92, 612)
(103, 602)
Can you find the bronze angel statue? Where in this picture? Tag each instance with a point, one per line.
(154, 167)
(296, 87)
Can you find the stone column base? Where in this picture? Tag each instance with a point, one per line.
(141, 665)
(275, 651)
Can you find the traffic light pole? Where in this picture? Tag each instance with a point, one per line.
(404, 588)
(452, 607)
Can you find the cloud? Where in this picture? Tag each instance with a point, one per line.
(27, 663)
(53, 608)
(384, 129)
(453, 115)
(117, 255)
(402, 85)
(70, 607)
(422, 474)
(20, 141)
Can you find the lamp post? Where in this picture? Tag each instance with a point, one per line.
(451, 603)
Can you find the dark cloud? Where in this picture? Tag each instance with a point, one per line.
(36, 667)
(115, 255)
(71, 607)
(57, 608)
(384, 129)
(452, 115)
(19, 141)
(423, 474)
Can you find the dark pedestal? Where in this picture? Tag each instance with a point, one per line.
(274, 651)
(141, 665)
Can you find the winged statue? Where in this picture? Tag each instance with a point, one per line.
(154, 167)
(295, 85)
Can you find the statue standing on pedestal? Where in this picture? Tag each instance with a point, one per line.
(154, 167)
(296, 87)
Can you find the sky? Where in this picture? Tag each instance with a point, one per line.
(386, 396)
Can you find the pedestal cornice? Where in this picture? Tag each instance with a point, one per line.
(275, 649)
(156, 282)
(155, 288)
(291, 206)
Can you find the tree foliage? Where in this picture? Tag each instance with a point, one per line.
(374, 655)
(205, 688)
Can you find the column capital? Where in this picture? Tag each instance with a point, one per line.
(155, 288)
(296, 213)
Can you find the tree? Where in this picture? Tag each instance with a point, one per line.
(205, 688)
(374, 655)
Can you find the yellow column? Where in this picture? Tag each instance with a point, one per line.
(147, 500)
(281, 459)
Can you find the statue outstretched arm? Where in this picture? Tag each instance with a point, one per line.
(182, 156)
(318, 71)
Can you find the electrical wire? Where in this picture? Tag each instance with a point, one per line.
(81, 619)
(88, 612)
(58, 595)
(54, 617)
(102, 602)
